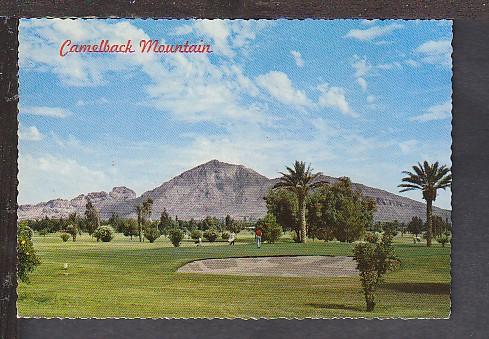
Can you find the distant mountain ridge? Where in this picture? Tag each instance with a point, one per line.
(214, 188)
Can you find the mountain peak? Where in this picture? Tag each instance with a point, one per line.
(216, 163)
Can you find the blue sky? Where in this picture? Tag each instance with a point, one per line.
(365, 99)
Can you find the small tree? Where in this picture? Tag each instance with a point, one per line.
(72, 230)
(64, 236)
(196, 234)
(272, 231)
(325, 234)
(211, 234)
(374, 258)
(415, 226)
(228, 221)
(104, 233)
(166, 222)
(91, 217)
(391, 227)
(176, 236)
(152, 233)
(116, 222)
(443, 239)
(27, 260)
(130, 228)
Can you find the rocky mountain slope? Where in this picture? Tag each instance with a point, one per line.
(217, 189)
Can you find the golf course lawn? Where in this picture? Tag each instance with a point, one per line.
(126, 278)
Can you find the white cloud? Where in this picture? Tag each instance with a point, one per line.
(436, 52)
(412, 63)
(372, 32)
(390, 65)
(362, 83)
(71, 142)
(98, 101)
(45, 111)
(335, 97)
(279, 86)
(297, 58)
(368, 22)
(361, 66)
(408, 146)
(436, 112)
(183, 30)
(226, 36)
(46, 177)
(371, 99)
(218, 31)
(30, 133)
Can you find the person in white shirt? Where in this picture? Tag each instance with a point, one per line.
(231, 239)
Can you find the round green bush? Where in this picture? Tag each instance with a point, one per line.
(104, 233)
(225, 236)
(211, 234)
(43, 232)
(152, 233)
(272, 231)
(196, 234)
(176, 236)
(64, 236)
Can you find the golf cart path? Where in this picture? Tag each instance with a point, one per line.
(287, 266)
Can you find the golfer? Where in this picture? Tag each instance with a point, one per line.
(258, 234)
(231, 239)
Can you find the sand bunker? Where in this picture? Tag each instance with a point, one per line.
(297, 266)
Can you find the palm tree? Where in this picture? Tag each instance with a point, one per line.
(143, 211)
(139, 211)
(299, 180)
(427, 178)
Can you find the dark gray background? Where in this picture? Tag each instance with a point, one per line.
(470, 287)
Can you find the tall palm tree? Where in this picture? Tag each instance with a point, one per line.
(139, 211)
(299, 180)
(144, 214)
(427, 178)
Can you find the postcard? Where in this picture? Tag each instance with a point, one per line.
(234, 168)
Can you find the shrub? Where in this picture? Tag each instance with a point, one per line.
(43, 232)
(211, 234)
(64, 236)
(196, 234)
(225, 236)
(391, 228)
(374, 258)
(152, 233)
(72, 230)
(104, 233)
(176, 236)
(325, 234)
(27, 260)
(443, 239)
(130, 228)
(271, 230)
(372, 238)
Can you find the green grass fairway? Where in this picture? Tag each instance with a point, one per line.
(130, 279)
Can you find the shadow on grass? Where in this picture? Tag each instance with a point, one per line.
(423, 288)
(336, 307)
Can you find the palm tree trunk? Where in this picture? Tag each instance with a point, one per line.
(429, 221)
(302, 221)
